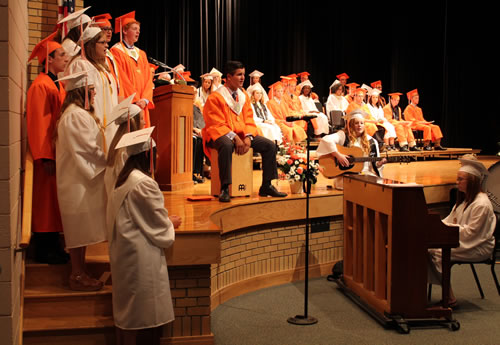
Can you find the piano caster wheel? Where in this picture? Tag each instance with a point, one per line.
(455, 326)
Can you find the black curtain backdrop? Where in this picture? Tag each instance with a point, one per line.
(432, 47)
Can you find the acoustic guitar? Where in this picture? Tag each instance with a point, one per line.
(332, 168)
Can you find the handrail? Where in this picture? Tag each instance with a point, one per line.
(27, 202)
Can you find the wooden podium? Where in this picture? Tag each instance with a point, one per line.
(173, 119)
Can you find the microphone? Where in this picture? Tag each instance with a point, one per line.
(302, 117)
(161, 64)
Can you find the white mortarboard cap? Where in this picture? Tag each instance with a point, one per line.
(76, 80)
(254, 87)
(471, 165)
(305, 83)
(119, 110)
(89, 33)
(70, 47)
(366, 87)
(215, 72)
(207, 76)
(137, 141)
(256, 74)
(335, 83)
(356, 114)
(179, 68)
(74, 19)
(374, 92)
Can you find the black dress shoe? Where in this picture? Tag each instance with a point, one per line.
(224, 195)
(439, 148)
(415, 148)
(404, 148)
(270, 191)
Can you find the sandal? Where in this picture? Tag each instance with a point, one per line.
(83, 282)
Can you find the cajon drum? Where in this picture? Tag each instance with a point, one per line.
(241, 172)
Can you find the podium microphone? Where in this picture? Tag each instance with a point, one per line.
(301, 118)
(163, 65)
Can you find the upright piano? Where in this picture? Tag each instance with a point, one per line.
(387, 231)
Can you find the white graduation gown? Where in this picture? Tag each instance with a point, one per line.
(335, 102)
(80, 163)
(310, 108)
(378, 114)
(476, 227)
(139, 230)
(269, 130)
(112, 172)
(106, 93)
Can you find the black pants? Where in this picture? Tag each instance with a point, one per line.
(262, 145)
(198, 155)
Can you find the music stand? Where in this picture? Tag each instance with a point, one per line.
(306, 319)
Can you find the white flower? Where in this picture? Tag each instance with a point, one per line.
(287, 176)
(297, 177)
(297, 162)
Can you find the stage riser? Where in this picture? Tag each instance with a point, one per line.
(57, 275)
(82, 337)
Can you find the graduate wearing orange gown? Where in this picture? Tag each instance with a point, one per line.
(133, 66)
(43, 106)
(413, 113)
(392, 113)
(291, 131)
(357, 103)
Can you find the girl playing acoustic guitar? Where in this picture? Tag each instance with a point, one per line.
(354, 135)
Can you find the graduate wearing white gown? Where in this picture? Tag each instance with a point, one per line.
(309, 107)
(105, 84)
(262, 116)
(336, 100)
(139, 229)
(80, 164)
(475, 219)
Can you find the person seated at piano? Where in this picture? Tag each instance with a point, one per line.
(229, 126)
(262, 115)
(377, 132)
(292, 132)
(204, 90)
(377, 111)
(473, 214)
(353, 135)
(336, 101)
(392, 112)
(320, 123)
(432, 132)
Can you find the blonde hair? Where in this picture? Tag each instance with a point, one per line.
(365, 145)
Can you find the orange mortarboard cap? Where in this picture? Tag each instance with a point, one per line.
(121, 21)
(187, 76)
(352, 85)
(292, 76)
(376, 83)
(342, 75)
(276, 86)
(153, 66)
(394, 94)
(102, 20)
(411, 93)
(44, 48)
(360, 89)
(303, 73)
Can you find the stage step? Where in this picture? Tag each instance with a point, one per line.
(54, 314)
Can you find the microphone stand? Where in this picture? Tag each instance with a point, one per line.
(164, 65)
(305, 319)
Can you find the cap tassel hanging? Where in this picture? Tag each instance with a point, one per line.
(81, 40)
(128, 121)
(151, 165)
(87, 106)
(47, 60)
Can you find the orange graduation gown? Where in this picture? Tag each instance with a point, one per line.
(414, 113)
(291, 131)
(134, 75)
(220, 119)
(43, 107)
(403, 131)
(370, 127)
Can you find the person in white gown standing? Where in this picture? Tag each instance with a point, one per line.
(139, 229)
(80, 164)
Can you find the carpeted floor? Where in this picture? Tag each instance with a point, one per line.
(260, 318)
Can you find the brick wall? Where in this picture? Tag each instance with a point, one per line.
(42, 20)
(258, 251)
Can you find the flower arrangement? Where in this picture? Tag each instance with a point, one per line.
(292, 164)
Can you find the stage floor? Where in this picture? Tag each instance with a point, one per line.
(196, 214)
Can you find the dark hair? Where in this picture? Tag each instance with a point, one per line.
(232, 66)
(77, 97)
(302, 90)
(75, 33)
(335, 87)
(140, 161)
(473, 189)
